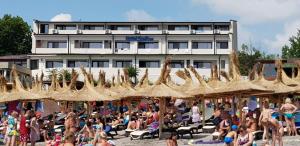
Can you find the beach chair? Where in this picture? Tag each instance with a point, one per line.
(140, 134)
(121, 126)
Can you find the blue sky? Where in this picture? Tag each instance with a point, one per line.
(266, 24)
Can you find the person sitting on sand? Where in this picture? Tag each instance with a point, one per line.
(244, 138)
(224, 126)
(277, 131)
(289, 109)
(264, 117)
(231, 137)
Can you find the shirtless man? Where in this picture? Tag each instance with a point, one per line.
(231, 137)
(289, 109)
(264, 117)
(277, 131)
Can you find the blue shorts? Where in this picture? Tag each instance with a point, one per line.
(228, 140)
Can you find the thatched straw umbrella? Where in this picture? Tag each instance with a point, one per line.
(66, 92)
(238, 86)
(161, 90)
(101, 87)
(214, 81)
(287, 80)
(277, 86)
(88, 92)
(18, 92)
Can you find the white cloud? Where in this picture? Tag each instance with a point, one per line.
(62, 17)
(254, 11)
(138, 15)
(282, 38)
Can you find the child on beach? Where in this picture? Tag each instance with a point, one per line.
(231, 137)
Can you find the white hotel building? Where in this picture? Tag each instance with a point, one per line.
(114, 45)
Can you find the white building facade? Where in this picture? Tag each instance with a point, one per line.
(110, 46)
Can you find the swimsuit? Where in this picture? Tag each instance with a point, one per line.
(228, 140)
(243, 140)
(289, 115)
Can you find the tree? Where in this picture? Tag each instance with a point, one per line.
(133, 73)
(15, 36)
(294, 50)
(64, 73)
(248, 56)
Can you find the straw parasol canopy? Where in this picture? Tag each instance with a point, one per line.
(160, 89)
(66, 92)
(144, 81)
(215, 82)
(277, 85)
(18, 92)
(238, 86)
(88, 92)
(101, 86)
(297, 78)
(287, 80)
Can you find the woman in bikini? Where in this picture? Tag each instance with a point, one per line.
(244, 138)
(289, 109)
(231, 137)
(264, 117)
(70, 123)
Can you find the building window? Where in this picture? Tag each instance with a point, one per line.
(92, 45)
(148, 45)
(177, 64)
(223, 64)
(58, 44)
(222, 27)
(107, 44)
(201, 27)
(122, 45)
(222, 45)
(93, 27)
(178, 27)
(44, 28)
(20, 63)
(65, 27)
(54, 64)
(78, 63)
(177, 45)
(34, 64)
(120, 27)
(100, 63)
(122, 63)
(149, 64)
(188, 63)
(204, 64)
(202, 45)
(148, 27)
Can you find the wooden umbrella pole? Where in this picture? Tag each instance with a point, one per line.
(241, 108)
(203, 112)
(129, 108)
(161, 115)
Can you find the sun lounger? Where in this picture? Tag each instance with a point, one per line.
(59, 128)
(139, 134)
(185, 130)
(208, 129)
(258, 134)
(128, 131)
(118, 127)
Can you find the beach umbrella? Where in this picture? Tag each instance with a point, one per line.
(214, 81)
(161, 91)
(66, 92)
(88, 92)
(101, 87)
(277, 85)
(237, 85)
(287, 80)
(18, 92)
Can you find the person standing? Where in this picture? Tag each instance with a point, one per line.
(12, 132)
(34, 130)
(195, 113)
(289, 109)
(24, 128)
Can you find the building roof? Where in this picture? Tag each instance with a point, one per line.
(40, 21)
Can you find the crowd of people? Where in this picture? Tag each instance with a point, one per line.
(95, 129)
